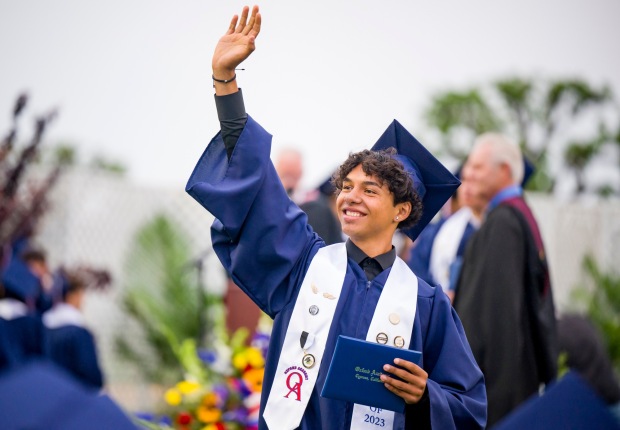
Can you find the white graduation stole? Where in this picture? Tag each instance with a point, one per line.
(446, 245)
(11, 309)
(313, 313)
(63, 314)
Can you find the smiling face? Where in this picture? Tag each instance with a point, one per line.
(367, 212)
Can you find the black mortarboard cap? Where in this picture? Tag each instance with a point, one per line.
(433, 182)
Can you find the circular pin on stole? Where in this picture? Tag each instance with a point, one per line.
(399, 342)
(394, 318)
(314, 309)
(308, 361)
(382, 338)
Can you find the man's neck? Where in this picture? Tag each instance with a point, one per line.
(374, 247)
(506, 192)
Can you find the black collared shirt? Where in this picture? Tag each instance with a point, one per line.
(372, 266)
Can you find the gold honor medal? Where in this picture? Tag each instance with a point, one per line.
(306, 340)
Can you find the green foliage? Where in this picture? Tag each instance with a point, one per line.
(603, 306)
(65, 154)
(517, 94)
(577, 93)
(453, 110)
(164, 297)
(537, 113)
(102, 163)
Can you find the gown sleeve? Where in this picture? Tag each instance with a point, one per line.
(261, 237)
(456, 389)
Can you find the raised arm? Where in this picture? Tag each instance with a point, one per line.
(233, 48)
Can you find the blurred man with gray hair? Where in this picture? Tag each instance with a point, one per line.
(504, 295)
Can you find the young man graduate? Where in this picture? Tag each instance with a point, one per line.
(316, 293)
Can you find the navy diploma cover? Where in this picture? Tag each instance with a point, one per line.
(355, 370)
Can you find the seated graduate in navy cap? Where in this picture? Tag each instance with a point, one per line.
(36, 260)
(314, 292)
(71, 345)
(22, 334)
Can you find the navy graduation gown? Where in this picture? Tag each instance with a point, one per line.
(263, 239)
(21, 339)
(73, 348)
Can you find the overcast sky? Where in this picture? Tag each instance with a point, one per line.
(132, 78)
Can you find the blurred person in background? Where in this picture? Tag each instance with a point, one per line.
(22, 335)
(437, 254)
(36, 260)
(290, 168)
(585, 352)
(322, 213)
(504, 294)
(71, 345)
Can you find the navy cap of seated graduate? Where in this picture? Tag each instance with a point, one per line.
(432, 181)
(19, 281)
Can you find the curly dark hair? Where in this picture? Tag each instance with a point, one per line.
(388, 170)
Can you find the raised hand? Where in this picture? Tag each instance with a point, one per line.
(237, 44)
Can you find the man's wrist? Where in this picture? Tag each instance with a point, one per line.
(224, 81)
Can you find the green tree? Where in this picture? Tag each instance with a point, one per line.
(537, 113)
(163, 295)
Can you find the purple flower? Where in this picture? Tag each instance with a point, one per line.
(261, 341)
(238, 415)
(208, 356)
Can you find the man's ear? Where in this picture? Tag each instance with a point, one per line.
(506, 171)
(403, 210)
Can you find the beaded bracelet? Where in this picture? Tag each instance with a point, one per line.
(224, 81)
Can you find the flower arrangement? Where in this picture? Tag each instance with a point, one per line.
(221, 389)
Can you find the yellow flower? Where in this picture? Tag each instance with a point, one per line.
(208, 415)
(188, 387)
(240, 361)
(254, 379)
(249, 356)
(255, 357)
(173, 397)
